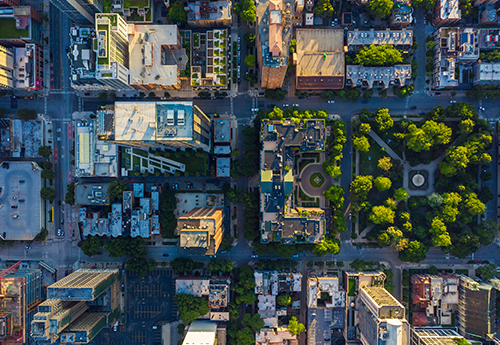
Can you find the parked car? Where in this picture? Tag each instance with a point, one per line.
(451, 102)
(413, 107)
(331, 101)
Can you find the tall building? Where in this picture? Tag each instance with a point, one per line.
(381, 318)
(320, 59)
(434, 336)
(20, 294)
(28, 71)
(209, 13)
(78, 307)
(476, 309)
(486, 73)
(273, 41)
(401, 15)
(80, 11)
(111, 46)
(20, 25)
(156, 57)
(201, 333)
(202, 227)
(6, 68)
(161, 124)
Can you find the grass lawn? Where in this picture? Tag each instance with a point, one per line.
(303, 163)
(368, 161)
(319, 177)
(136, 3)
(352, 286)
(394, 145)
(145, 163)
(126, 160)
(136, 162)
(141, 153)
(304, 197)
(9, 29)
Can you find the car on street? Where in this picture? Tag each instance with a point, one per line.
(165, 255)
(331, 101)
(482, 109)
(59, 130)
(413, 107)
(175, 186)
(295, 255)
(286, 105)
(295, 105)
(451, 102)
(22, 200)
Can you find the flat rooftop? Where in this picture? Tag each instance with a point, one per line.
(320, 59)
(381, 296)
(223, 167)
(489, 71)
(153, 121)
(209, 10)
(367, 37)
(20, 203)
(151, 60)
(222, 130)
(197, 287)
(449, 9)
(91, 194)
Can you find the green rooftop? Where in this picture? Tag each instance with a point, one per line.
(137, 3)
(9, 29)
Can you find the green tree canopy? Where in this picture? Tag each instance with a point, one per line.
(487, 272)
(248, 11)
(432, 133)
(249, 38)
(48, 174)
(383, 119)
(254, 322)
(284, 300)
(361, 185)
(191, 307)
(384, 163)
(332, 170)
(245, 336)
(435, 200)
(335, 194)
(182, 265)
(47, 193)
(378, 55)
(327, 246)
(401, 194)
(426, 5)
(441, 237)
(487, 232)
(381, 215)
(364, 128)
(466, 126)
(294, 327)
(473, 205)
(176, 13)
(45, 151)
(126, 246)
(382, 183)
(380, 8)
(70, 194)
(324, 8)
(217, 265)
(116, 189)
(250, 60)
(141, 266)
(361, 143)
(92, 245)
(415, 252)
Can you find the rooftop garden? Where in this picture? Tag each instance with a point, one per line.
(136, 4)
(9, 29)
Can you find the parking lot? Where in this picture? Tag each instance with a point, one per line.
(148, 301)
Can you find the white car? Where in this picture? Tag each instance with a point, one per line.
(331, 101)
(482, 109)
(295, 105)
(286, 105)
(451, 102)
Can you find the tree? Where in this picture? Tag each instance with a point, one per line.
(401, 194)
(381, 215)
(217, 265)
(473, 205)
(487, 232)
(441, 236)
(327, 246)
(435, 200)
(254, 322)
(45, 151)
(47, 193)
(102, 96)
(191, 307)
(364, 128)
(227, 242)
(466, 126)
(126, 246)
(245, 336)
(426, 5)
(27, 114)
(382, 183)
(182, 265)
(433, 270)
(41, 236)
(112, 96)
(332, 170)
(248, 11)
(361, 143)
(324, 8)
(415, 252)
(48, 174)
(385, 164)
(457, 158)
(361, 185)
(380, 8)
(250, 60)
(177, 14)
(294, 327)
(432, 133)
(141, 266)
(487, 272)
(70, 194)
(116, 189)
(249, 38)
(92, 245)
(284, 300)
(383, 119)
(378, 55)
(335, 194)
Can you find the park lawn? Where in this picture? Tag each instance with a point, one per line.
(368, 161)
(141, 153)
(394, 144)
(352, 286)
(136, 163)
(126, 160)
(145, 163)
(304, 197)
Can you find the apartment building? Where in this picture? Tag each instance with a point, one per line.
(402, 14)
(274, 282)
(434, 336)
(446, 12)
(201, 228)
(156, 57)
(20, 294)
(486, 73)
(209, 13)
(382, 77)
(161, 124)
(78, 307)
(382, 317)
(282, 220)
(21, 25)
(399, 39)
(201, 332)
(80, 11)
(135, 11)
(319, 59)
(489, 39)
(434, 298)
(29, 67)
(273, 41)
(271, 336)
(6, 68)
(488, 16)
